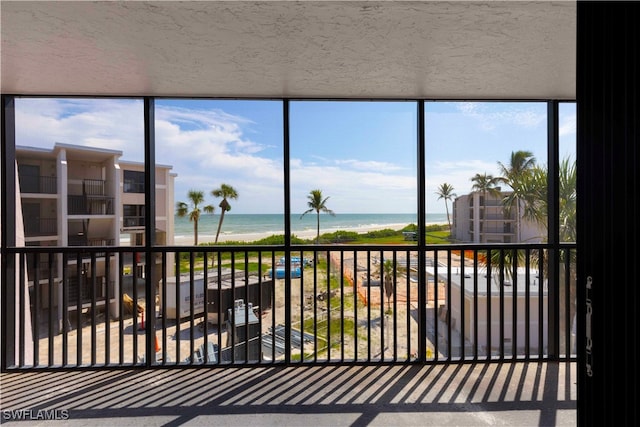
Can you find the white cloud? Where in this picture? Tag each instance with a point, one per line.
(568, 125)
(490, 119)
(212, 146)
(456, 173)
(208, 148)
(351, 190)
(108, 123)
(369, 165)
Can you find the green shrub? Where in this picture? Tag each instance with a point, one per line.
(437, 227)
(339, 236)
(387, 232)
(410, 227)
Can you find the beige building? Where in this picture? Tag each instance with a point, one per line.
(81, 196)
(480, 218)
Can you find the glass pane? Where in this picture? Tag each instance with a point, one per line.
(208, 143)
(567, 203)
(361, 156)
(486, 177)
(486, 168)
(224, 186)
(353, 180)
(70, 154)
(567, 172)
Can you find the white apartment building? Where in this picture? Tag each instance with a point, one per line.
(480, 309)
(81, 196)
(483, 218)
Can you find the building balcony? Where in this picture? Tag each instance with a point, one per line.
(499, 217)
(94, 187)
(90, 205)
(133, 222)
(37, 184)
(511, 394)
(497, 231)
(34, 227)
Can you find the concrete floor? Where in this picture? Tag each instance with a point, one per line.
(512, 394)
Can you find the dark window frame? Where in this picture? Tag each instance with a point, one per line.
(134, 182)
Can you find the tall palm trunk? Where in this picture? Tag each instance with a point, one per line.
(446, 206)
(220, 224)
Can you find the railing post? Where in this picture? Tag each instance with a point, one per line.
(287, 233)
(8, 233)
(150, 229)
(553, 230)
(422, 265)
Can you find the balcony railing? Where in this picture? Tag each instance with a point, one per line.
(438, 304)
(90, 205)
(132, 221)
(94, 187)
(37, 184)
(44, 266)
(40, 227)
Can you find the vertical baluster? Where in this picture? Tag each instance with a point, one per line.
(514, 305)
(178, 308)
(121, 308)
(462, 304)
(475, 305)
(527, 305)
(163, 308)
(65, 310)
(489, 317)
(192, 306)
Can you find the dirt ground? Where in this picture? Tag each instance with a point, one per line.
(365, 324)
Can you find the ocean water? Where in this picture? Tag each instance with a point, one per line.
(269, 224)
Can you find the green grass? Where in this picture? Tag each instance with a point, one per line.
(438, 237)
(436, 234)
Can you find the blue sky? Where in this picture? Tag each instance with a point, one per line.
(362, 155)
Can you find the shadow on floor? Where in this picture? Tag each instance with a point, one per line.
(522, 394)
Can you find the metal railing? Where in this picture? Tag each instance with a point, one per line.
(38, 184)
(90, 205)
(133, 221)
(94, 187)
(352, 304)
(40, 227)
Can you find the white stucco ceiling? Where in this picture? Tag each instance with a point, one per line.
(361, 49)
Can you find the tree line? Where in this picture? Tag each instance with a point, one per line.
(195, 207)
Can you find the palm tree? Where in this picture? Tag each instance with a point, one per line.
(567, 195)
(533, 189)
(520, 162)
(387, 274)
(196, 198)
(513, 175)
(486, 184)
(318, 204)
(445, 191)
(226, 192)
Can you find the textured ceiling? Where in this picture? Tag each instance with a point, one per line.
(387, 49)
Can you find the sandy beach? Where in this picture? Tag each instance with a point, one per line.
(250, 237)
